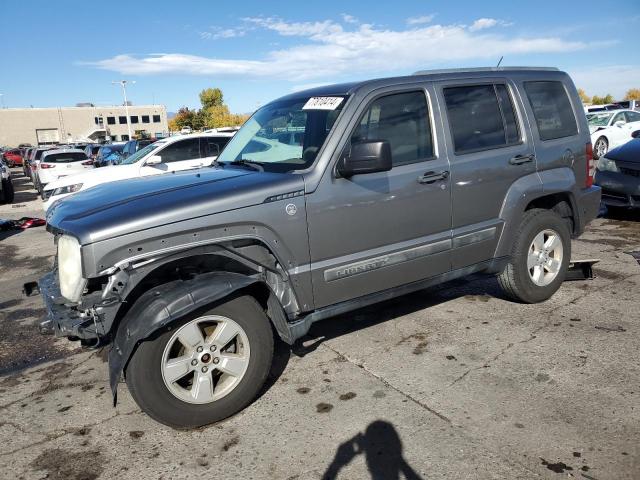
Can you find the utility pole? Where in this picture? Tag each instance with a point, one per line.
(123, 83)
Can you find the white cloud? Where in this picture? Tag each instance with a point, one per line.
(326, 49)
(349, 18)
(604, 79)
(216, 33)
(420, 20)
(483, 23)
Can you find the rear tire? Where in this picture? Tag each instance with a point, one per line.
(8, 193)
(539, 257)
(175, 402)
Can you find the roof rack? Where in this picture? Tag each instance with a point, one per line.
(482, 69)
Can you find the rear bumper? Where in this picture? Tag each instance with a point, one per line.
(618, 189)
(588, 203)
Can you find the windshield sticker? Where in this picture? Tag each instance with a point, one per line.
(322, 103)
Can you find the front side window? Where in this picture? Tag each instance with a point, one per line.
(481, 117)
(402, 119)
(551, 109)
(619, 118)
(182, 150)
(143, 152)
(286, 135)
(633, 116)
(213, 146)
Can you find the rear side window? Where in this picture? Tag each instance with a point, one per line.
(481, 117)
(552, 109)
(402, 119)
(65, 157)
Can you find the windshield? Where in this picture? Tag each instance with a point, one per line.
(65, 157)
(284, 136)
(140, 154)
(599, 119)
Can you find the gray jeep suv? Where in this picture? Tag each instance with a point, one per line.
(325, 201)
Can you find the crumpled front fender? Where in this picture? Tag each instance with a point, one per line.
(162, 305)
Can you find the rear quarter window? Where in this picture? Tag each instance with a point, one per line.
(551, 109)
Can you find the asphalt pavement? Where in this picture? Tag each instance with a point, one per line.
(452, 382)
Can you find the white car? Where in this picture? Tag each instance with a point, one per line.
(185, 130)
(611, 129)
(164, 156)
(59, 163)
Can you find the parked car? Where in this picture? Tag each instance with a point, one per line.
(618, 173)
(6, 184)
(109, 154)
(132, 146)
(399, 184)
(611, 129)
(92, 150)
(163, 156)
(34, 158)
(602, 108)
(12, 157)
(629, 104)
(60, 163)
(186, 130)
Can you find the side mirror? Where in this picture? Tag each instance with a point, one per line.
(153, 160)
(368, 156)
(619, 124)
(636, 134)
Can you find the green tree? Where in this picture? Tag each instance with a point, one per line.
(596, 100)
(632, 94)
(211, 97)
(583, 96)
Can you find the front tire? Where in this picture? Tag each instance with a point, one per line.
(600, 148)
(539, 257)
(207, 367)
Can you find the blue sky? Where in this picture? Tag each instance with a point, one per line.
(61, 53)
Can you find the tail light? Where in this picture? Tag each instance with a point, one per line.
(47, 165)
(88, 162)
(591, 165)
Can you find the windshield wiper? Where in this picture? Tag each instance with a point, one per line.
(248, 163)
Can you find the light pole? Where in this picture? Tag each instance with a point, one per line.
(123, 83)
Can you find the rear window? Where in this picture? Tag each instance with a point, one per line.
(481, 117)
(65, 157)
(552, 109)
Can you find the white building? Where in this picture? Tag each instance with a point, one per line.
(80, 124)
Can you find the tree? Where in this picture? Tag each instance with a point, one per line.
(596, 100)
(583, 96)
(632, 94)
(211, 97)
(184, 118)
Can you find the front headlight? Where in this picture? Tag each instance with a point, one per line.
(70, 268)
(68, 189)
(607, 165)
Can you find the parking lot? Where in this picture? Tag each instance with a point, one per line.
(450, 382)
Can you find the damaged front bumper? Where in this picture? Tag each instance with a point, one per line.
(64, 319)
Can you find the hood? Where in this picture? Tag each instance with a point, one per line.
(594, 129)
(96, 176)
(627, 153)
(118, 208)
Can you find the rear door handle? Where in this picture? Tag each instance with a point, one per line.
(520, 159)
(431, 177)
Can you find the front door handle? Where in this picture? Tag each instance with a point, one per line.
(431, 177)
(520, 159)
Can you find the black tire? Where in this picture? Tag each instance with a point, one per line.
(144, 376)
(515, 280)
(8, 193)
(595, 147)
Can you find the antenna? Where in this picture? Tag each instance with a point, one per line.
(500, 61)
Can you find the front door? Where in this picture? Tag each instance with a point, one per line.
(372, 232)
(180, 155)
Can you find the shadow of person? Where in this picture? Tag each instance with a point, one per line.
(382, 448)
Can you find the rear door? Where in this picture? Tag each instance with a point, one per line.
(489, 149)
